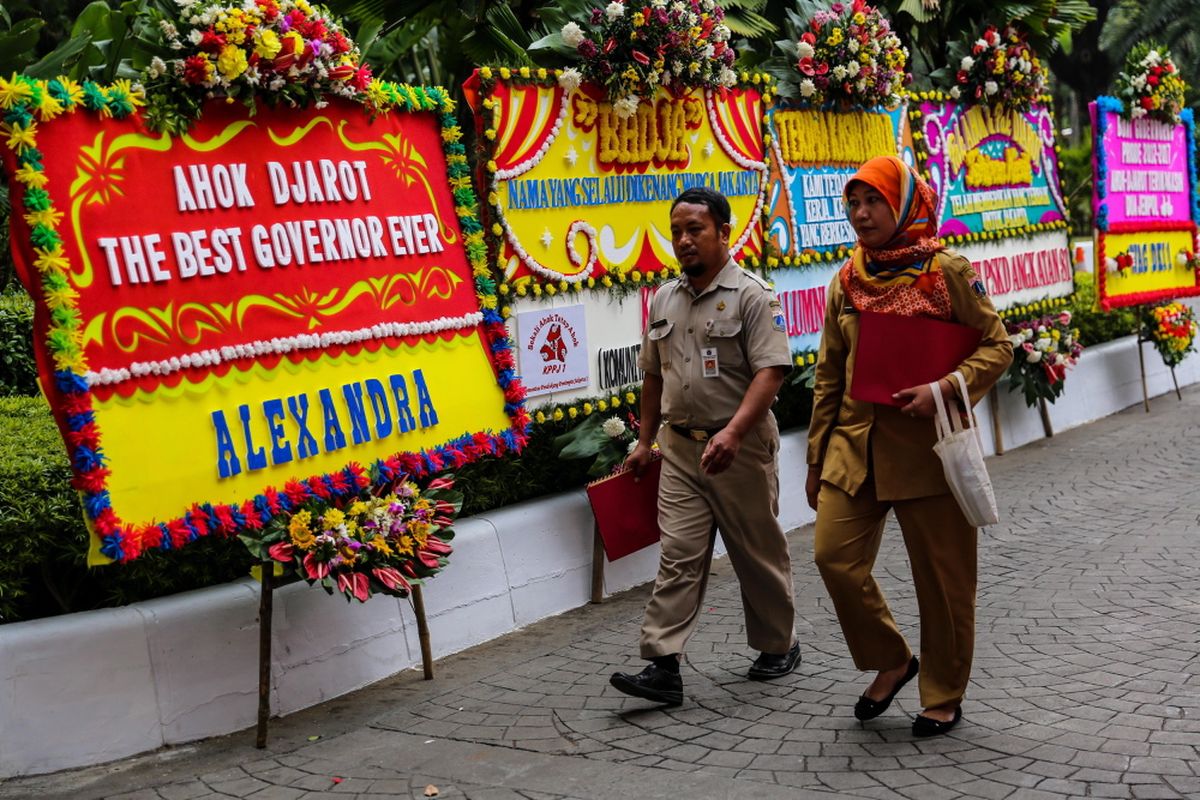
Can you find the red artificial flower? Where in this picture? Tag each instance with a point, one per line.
(1152, 80)
(253, 520)
(178, 532)
(362, 78)
(806, 66)
(808, 37)
(282, 551)
(354, 583)
(212, 42)
(609, 46)
(106, 522)
(1148, 103)
(962, 76)
(196, 69)
(391, 578)
(641, 58)
(435, 545)
(341, 72)
(316, 569)
(428, 560)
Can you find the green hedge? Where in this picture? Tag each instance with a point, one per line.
(18, 371)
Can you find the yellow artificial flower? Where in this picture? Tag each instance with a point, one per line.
(630, 398)
(835, 37)
(13, 92)
(267, 44)
(540, 418)
(22, 139)
(572, 412)
(587, 409)
(29, 176)
(232, 61)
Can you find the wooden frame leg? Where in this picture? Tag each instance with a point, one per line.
(1175, 380)
(418, 601)
(264, 651)
(597, 565)
(1142, 367)
(1044, 411)
(997, 432)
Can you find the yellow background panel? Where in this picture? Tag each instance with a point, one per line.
(1176, 277)
(162, 448)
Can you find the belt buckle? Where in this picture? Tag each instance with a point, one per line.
(698, 435)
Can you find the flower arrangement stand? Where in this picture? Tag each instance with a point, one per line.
(1142, 367)
(597, 564)
(1044, 411)
(997, 431)
(265, 615)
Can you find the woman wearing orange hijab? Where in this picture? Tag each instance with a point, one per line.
(868, 458)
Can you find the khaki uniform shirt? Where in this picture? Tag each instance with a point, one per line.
(849, 438)
(737, 315)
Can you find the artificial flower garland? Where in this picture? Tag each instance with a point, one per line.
(380, 542)
(633, 49)
(1000, 68)
(281, 346)
(1044, 349)
(26, 101)
(849, 56)
(1150, 84)
(1172, 328)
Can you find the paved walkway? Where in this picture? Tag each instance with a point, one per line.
(1086, 683)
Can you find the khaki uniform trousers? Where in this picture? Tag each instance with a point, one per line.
(743, 502)
(941, 548)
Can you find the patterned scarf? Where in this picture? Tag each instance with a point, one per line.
(902, 277)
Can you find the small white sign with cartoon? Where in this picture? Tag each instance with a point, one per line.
(553, 349)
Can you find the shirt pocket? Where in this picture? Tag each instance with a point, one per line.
(660, 340)
(725, 335)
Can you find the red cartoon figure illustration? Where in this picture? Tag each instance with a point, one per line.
(555, 349)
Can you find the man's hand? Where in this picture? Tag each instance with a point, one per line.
(720, 452)
(918, 400)
(639, 459)
(812, 485)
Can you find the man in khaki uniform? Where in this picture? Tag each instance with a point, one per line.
(714, 355)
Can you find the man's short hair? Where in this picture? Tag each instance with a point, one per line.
(717, 205)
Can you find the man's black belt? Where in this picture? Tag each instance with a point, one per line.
(697, 434)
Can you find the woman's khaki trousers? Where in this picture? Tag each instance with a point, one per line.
(942, 551)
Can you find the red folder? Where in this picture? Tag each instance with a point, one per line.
(896, 352)
(626, 511)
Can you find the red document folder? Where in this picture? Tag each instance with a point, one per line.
(896, 352)
(626, 511)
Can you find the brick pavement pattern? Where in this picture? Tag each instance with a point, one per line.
(1086, 680)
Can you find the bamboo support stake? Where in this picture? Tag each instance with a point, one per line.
(418, 601)
(994, 407)
(597, 565)
(264, 651)
(1142, 367)
(1044, 410)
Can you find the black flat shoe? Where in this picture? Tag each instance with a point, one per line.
(769, 666)
(866, 708)
(924, 726)
(652, 683)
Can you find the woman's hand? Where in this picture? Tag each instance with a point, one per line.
(918, 400)
(812, 485)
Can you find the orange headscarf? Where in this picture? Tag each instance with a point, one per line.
(914, 204)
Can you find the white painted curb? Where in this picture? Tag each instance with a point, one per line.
(101, 685)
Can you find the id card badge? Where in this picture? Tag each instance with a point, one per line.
(710, 367)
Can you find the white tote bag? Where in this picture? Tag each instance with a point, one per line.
(961, 452)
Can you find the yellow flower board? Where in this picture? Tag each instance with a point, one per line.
(272, 308)
(576, 191)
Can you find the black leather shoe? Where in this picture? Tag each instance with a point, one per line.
(924, 726)
(866, 708)
(652, 683)
(769, 666)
